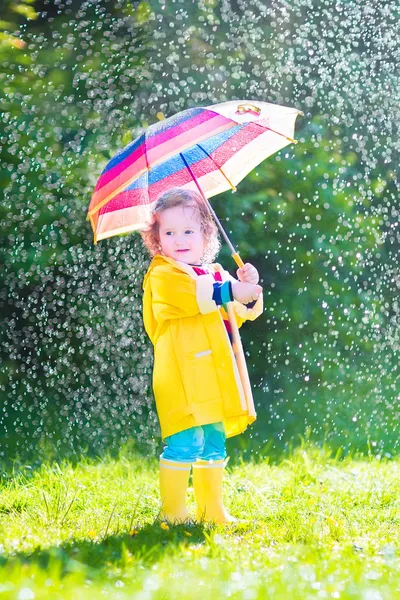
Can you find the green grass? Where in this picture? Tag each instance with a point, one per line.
(317, 527)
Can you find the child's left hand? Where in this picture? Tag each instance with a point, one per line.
(248, 274)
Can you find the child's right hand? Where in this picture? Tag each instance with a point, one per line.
(245, 292)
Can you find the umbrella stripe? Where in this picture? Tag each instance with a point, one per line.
(245, 160)
(132, 197)
(244, 137)
(124, 163)
(123, 155)
(210, 184)
(216, 141)
(119, 177)
(126, 199)
(164, 125)
(109, 188)
(133, 165)
(132, 218)
(179, 127)
(149, 142)
(185, 139)
(219, 148)
(152, 132)
(136, 196)
(123, 221)
(192, 155)
(174, 171)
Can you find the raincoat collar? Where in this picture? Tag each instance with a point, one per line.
(159, 259)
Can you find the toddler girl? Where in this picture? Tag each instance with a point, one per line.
(200, 384)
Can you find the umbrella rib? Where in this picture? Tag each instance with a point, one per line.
(218, 167)
(273, 131)
(192, 176)
(145, 152)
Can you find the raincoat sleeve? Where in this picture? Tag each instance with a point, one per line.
(175, 294)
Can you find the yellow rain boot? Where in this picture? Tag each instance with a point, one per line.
(174, 478)
(207, 484)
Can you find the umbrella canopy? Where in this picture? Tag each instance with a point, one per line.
(207, 149)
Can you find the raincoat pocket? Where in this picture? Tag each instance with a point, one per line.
(203, 376)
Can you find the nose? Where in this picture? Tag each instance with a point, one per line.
(180, 241)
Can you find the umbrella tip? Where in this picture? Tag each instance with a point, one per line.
(160, 116)
(291, 140)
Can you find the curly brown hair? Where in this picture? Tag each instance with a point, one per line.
(181, 197)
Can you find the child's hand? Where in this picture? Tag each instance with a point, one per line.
(248, 274)
(245, 292)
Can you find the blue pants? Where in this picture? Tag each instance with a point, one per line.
(205, 442)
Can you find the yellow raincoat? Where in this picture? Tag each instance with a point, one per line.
(198, 376)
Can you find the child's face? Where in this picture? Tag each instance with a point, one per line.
(180, 234)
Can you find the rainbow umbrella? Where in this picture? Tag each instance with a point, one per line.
(208, 149)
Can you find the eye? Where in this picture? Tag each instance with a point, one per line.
(168, 233)
(189, 231)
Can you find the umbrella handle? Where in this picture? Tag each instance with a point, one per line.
(238, 260)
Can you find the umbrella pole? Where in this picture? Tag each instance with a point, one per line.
(234, 254)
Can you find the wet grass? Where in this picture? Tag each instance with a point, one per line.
(317, 527)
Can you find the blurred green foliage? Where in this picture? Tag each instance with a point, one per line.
(318, 250)
(76, 366)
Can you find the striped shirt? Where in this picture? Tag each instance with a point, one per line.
(222, 292)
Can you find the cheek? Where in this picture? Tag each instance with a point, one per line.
(163, 243)
(197, 240)
(164, 240)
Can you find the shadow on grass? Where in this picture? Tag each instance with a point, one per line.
(95, 559)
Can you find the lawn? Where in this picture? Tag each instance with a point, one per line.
(316, 526)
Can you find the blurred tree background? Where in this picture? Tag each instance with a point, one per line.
(79, 81)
